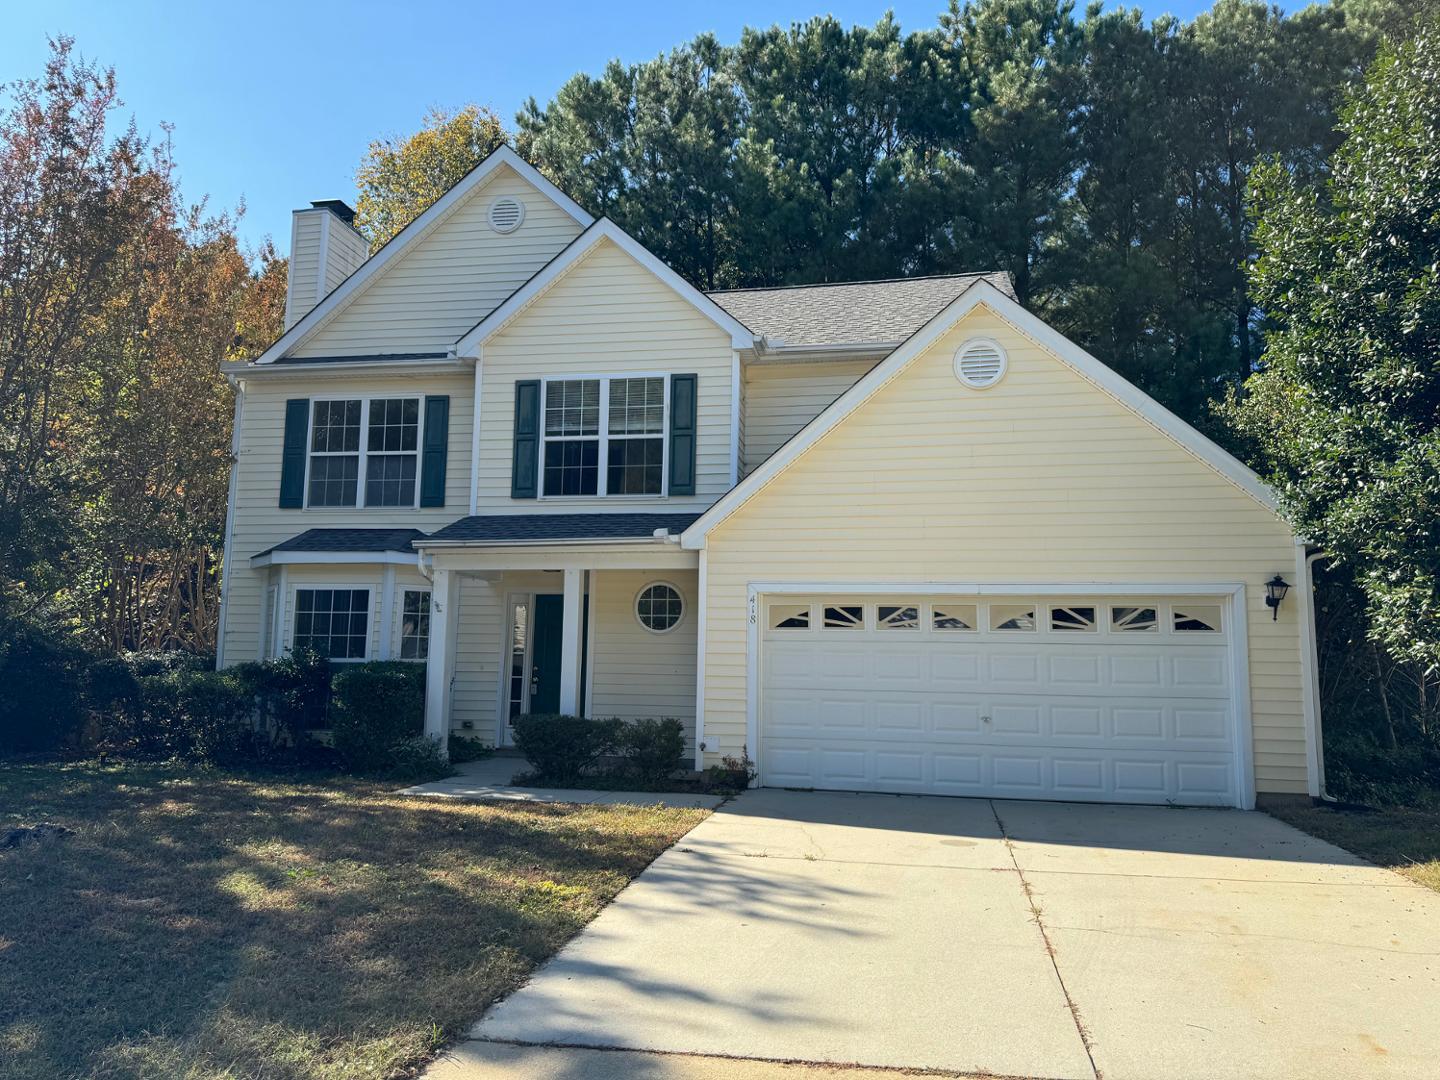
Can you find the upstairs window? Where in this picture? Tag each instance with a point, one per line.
(620, 422)
(388, 456)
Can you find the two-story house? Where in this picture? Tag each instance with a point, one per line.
(888, 536)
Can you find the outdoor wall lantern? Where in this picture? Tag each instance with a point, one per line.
(1275, 590)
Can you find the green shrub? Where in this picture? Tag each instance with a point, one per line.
(41, 689)
(292, 694)
(416, 760)
(562, 748)
(464, 748)
(376, 707)
(732, 774)
(651, 749)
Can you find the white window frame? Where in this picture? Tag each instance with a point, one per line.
(400, 624)
(364, 454)
(635, 607)
(312, 586)
(603, 436)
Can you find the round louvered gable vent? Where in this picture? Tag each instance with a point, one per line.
(506, 214)
(980, 363)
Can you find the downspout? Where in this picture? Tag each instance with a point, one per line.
(1310, 673)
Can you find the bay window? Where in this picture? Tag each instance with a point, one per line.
(333, 622)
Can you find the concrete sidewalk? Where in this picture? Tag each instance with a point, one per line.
(491, 779)
(506, 1061)
(1013, 939)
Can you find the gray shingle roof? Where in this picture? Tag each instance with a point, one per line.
(859, 312)
(349, 540)
(498, 528)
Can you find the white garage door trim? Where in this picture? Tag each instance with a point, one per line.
(1232, 595)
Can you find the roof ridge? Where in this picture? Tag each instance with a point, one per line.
(863, 281)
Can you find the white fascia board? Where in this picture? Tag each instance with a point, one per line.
(982, 292)
(592, 541)
(604, 229)
(402, 241)
(248, 368)
(334, 558)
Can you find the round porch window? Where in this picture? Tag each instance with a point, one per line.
(659, 607)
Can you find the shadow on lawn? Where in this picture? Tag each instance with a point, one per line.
(281, 927)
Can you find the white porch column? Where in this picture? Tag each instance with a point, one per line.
(570, 618)
(443, 598)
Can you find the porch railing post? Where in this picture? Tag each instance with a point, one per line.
(438, 664)
(570, 641)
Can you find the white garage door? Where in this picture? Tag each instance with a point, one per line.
(1107, 699)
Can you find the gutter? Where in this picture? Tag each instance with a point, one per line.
(248, 370)
(773, 350)
(660, 537)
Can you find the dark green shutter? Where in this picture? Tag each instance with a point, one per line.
(292, 458)
(437, 443)
(524, 467)
(682, 434)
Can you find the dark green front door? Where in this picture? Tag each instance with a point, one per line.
(545, 654)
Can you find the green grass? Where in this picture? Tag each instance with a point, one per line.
(1404, 839)
(218, 925)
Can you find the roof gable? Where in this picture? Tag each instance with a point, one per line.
(1052, 342)
(310, 331)
(602, 230)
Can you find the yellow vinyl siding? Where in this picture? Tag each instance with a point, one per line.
(780, 399)
(1042, 478)
(634, 673)
(449, 279)
(259, 522)
(607, 315)
(304, 271)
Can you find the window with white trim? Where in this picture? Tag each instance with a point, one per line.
(415, 624)
(388, 457)
(333, 622)
(604, 436)
(659, 607)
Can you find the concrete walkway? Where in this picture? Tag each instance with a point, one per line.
(491, 779)
(1015, 939)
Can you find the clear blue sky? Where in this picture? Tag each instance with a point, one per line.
(275, 102)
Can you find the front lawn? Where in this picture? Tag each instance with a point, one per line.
(209, 924)
(1404, 839)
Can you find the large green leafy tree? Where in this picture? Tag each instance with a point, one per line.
(398, 178)
(1348, 404)
(1018, 62)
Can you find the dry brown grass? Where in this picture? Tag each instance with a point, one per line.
(215, 925)
(1404, 839)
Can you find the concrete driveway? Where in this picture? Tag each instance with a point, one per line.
(1018, 939)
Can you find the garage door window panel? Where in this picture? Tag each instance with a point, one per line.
(790, 617)
(1197, 618)
(1073, 619)
(1019, 618)
(954, 617)
(1134, 620)
(897, 617)
(844, 617)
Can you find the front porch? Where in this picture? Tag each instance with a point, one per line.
(605, 629)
